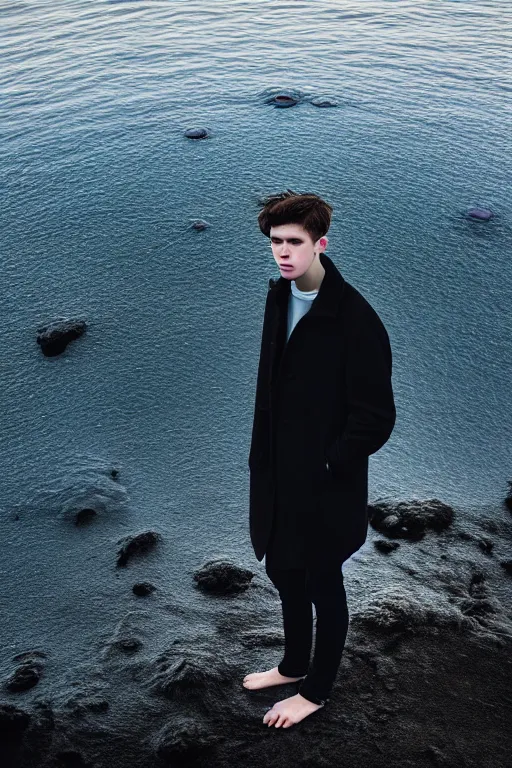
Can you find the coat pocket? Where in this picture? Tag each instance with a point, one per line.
(345, 475)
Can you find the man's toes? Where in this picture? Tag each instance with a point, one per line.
(270, 717)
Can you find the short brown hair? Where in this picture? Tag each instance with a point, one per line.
(290, 207)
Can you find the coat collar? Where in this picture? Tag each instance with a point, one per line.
(327, 302)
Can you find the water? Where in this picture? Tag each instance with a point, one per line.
(100, 187)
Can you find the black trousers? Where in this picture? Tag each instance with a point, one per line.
(300, 589)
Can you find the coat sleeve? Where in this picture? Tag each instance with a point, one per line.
(371, 412)
(262, 395)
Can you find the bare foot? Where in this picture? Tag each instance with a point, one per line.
(290, 711)
(265, 679)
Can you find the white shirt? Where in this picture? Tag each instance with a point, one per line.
(298, 304)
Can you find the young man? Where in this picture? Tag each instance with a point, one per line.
(324, 403)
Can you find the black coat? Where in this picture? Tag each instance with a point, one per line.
(324, 403)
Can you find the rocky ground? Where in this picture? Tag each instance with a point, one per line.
(425, 677)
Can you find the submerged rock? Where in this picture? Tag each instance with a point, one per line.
(480, 214)
(199, 224)
(323, 101)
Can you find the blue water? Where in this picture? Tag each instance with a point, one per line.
(100, 187)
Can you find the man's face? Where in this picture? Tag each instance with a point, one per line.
(293, 246)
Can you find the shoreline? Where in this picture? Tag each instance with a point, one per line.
(424, 678)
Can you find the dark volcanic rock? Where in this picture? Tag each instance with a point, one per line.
(54, 337)
(28, 673)
(384, 545)
(143, 588)
(261, 638)
(394, 609)
(70, 758)
(13, 722)
(188, 738)
(130, 645)
(508, 498)
(85, 516)
(81, 703)
(199, 224)
(486, 544)
(191, 673)
(136, 544)
(197, 133)
(130, 635)
(409, 519)
(223, 577)
(23, 678)
(283, 98)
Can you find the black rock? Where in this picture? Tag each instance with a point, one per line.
(135, 545)
(285, 100)
(13, 722)
(199, 225)
(409, 519)
(197, 133)
(223, 577)
(508, 498)
(384, 545)
(54, 337)
(143, 588)
(84, 516)
(183, 740)
(486, 545)
(70, 759)
(23, 678)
